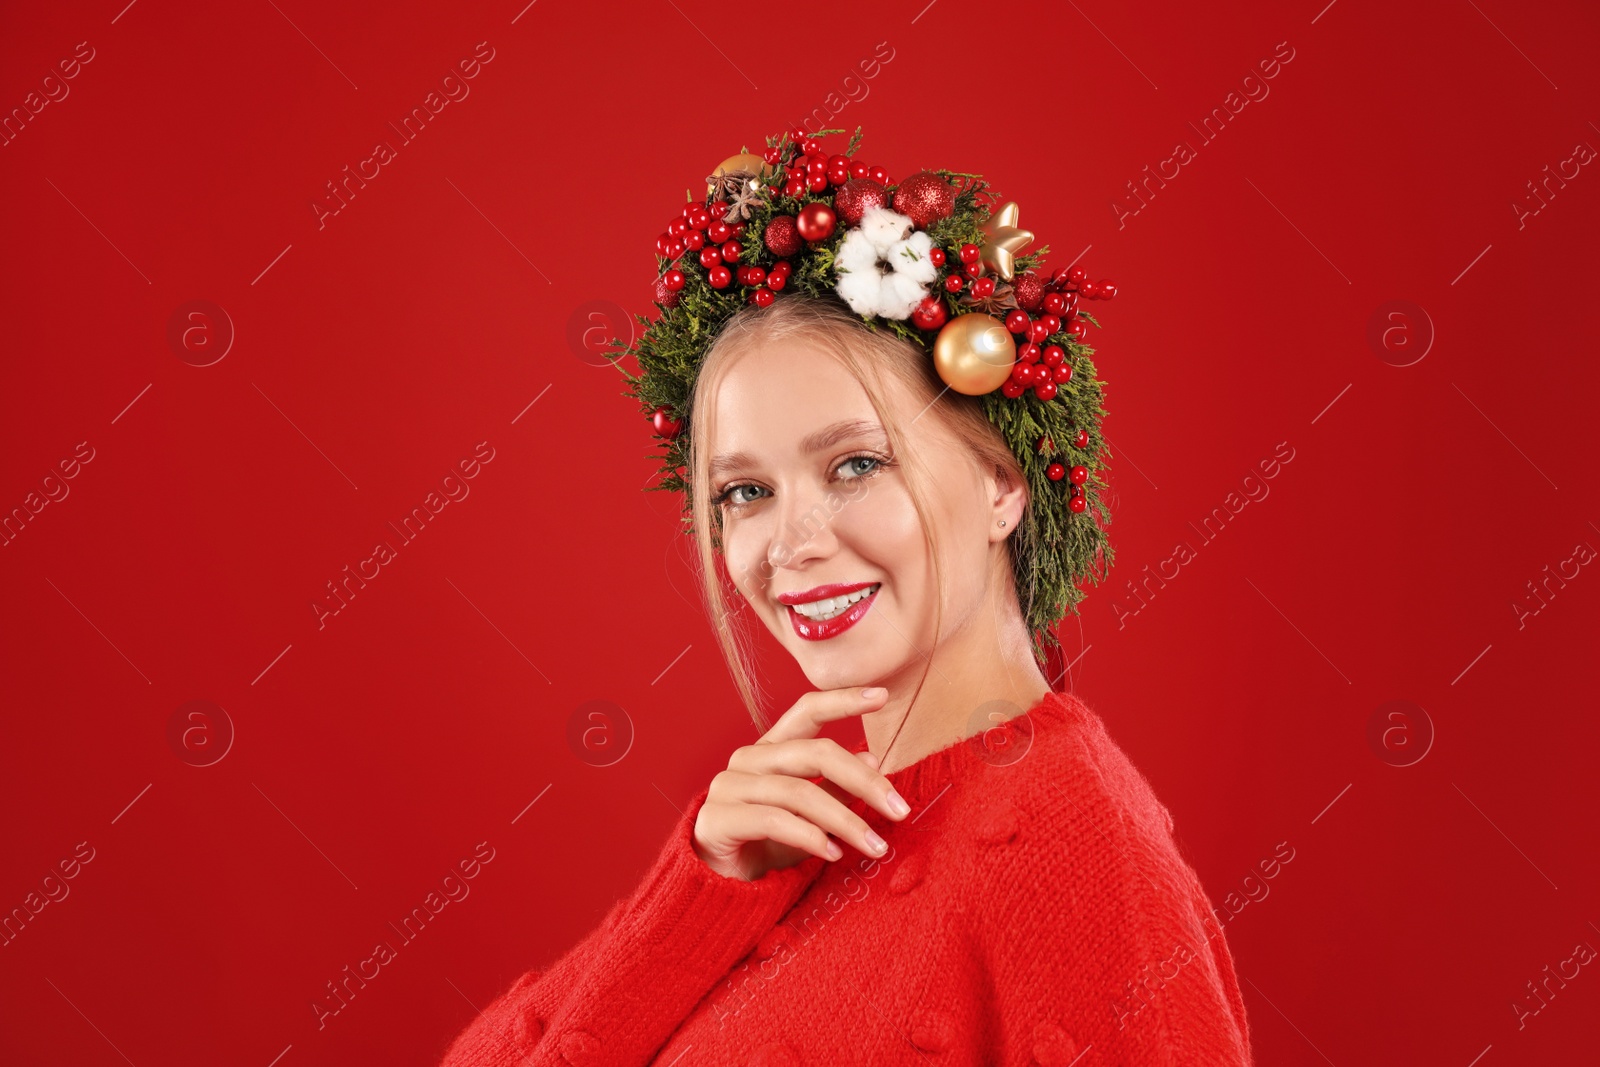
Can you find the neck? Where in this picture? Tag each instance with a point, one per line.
(979, 676)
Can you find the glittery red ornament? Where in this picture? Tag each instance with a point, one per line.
(925, 198)
(1029, 290)
(782, 236)
(855, 196)
(666, 296)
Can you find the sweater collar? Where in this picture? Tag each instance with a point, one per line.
(995, 747)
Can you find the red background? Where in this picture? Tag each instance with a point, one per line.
(374, 352)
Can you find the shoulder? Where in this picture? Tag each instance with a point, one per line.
(1084, 831)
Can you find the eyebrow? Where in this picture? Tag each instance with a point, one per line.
(824, 438)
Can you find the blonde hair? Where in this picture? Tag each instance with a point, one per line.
(872, 356)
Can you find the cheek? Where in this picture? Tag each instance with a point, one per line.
(886, 532)
(744, 553)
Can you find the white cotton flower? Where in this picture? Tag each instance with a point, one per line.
(883, 265)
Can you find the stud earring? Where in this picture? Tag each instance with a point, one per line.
(1002, 522)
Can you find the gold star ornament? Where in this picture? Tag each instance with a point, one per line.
(1002, 238)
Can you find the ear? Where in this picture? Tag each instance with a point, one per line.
(1008, 499)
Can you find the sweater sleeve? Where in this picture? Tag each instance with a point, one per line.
(1114, 947)
(617, 995)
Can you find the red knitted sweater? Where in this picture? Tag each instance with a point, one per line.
(1032, 909)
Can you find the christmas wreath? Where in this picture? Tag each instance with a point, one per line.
(937, 259)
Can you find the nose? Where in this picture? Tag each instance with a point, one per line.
(805, 528)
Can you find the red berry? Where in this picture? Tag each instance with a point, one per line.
(1079, 475)
(1055, 303)
(930, 314)
(879, 175)
(1013, 388)
(1022, 372)
(794, 187)
(1090, 290)
(1077, 504)
(731, 250)
(764, 297)
(1028, 352)
(1017, 321)
(859, 169)
(693, 239)
(1062, 374)
(771, 155)
(757, 275)
(720, 277)
(677, 227)
(1077, 275)
(983, 287)
(1082, 440)
(970, 253)
(1107, 290)
(710, 256)
(1052, 324)
(1045, 390)
(1055, 472)
(777, 281)
(811, 146)
(936, 257)
(674, 279)
(665, 424)
(817, 182)
(1036, 330)
(719, 231)
(1054, 356)
(953, 283)
(699, 218)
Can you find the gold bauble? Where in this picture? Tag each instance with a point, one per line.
(974, 353)
(744, 161)
(1001, 239)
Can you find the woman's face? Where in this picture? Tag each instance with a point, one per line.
(810, 498)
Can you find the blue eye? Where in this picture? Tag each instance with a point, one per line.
(730, 496)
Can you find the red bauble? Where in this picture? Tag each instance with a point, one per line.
(665, 424)
(930, 314)
(1029, 290)
(855, 196)
(782, 236)
(817, 222)
(1055, 472)
(666, 296)
(925, 198)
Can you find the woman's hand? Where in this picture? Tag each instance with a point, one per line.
(762, 814)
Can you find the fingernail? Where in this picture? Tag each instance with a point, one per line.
(897, 803)
(872, 693)
(876, 843)
(834, 851)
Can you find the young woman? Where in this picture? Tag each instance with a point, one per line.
(983, 877)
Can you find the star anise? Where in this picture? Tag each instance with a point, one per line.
(1002, 300)
(743, 202)
(728, 183)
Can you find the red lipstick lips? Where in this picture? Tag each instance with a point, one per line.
(822, 629)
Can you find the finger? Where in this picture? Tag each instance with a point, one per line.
(822, 757)
(869, 759)
(741, 823)
(806, 717)
(810, 802)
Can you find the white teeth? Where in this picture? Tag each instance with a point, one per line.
(832, 607)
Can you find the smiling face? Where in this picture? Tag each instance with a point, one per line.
(812, 496)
